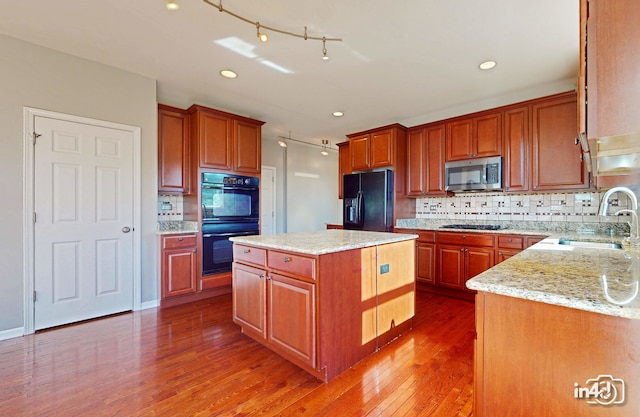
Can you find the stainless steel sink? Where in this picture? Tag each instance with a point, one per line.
(590, 245)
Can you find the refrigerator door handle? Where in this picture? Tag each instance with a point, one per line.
(360, 208)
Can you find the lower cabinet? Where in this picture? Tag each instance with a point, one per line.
(178, 265)
(368, 293)
(462, 256)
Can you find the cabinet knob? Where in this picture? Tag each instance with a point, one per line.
(195, 250)
(509, 240)
(287, 259)
(461, 249)
(180, 239)
(246, 251)
(464, 236)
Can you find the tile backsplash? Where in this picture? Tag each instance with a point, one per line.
(579, 207)
(170, 207)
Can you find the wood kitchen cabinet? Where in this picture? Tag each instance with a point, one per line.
(425, 160)
(475, 137)
(530, 356)
(225, 141)
(324, 312)
(344, 164)
(608, 78)
(507, 246)
(516, 149)
(461, 256)
(178, 266)
(173, 150)
(556, 158)
(377, 148)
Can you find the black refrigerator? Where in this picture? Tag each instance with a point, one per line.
(368, 201)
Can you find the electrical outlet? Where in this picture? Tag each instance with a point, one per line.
(433, 207)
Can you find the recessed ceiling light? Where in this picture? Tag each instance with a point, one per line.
(487, 65)
(228, 73)
(338, 113)
(172, 5)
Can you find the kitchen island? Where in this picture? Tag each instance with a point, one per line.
(558, 333)
(324, 300)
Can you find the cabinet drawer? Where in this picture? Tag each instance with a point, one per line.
(178, 241)
(511, 242)
(465, 239)
(427, 237)
(248, 254)
(294, 264)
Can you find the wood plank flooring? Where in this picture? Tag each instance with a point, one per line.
(192, 360)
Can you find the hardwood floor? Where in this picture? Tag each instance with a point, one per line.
(192, 360)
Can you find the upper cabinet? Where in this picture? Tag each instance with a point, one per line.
(516, 152)
(476, 137)
(344, 164)
(173, 150)
(556, 158)
(609, 86)
(377, 148)
(425, 160)
(224, 141)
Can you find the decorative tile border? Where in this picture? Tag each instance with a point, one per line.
(169, 207)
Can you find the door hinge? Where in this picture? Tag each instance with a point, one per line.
(34, 297)
(35, 217)
(35, 137)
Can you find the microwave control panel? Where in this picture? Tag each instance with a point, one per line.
(493, 174)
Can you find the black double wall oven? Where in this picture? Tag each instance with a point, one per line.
(230, 207)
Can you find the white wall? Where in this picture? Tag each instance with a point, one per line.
(312, 188)
(42, 78)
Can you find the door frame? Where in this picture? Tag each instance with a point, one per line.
(29, 115)
(274, 195)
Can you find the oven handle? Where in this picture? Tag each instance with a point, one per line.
(228, 234)
(229, 187)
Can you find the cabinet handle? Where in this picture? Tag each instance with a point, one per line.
(246, 251)
(195, 250)
(261, 276)
(287, 259)
(268, 278)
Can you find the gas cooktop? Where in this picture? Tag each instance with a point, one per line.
(472, 226)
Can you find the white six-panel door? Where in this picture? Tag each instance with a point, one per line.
(83, 237)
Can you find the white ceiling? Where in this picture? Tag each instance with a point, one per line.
(410, 61)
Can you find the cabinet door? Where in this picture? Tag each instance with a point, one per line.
(214, 136)
(382, 149)
(459, 139)
(178, 272)
(477, 261)
(435, 147)
(359, 152)
(504, 254)
(516, 149)
(451, 266)
(425, 262)
(247, 147)
(344, 164)
(173, 150)
(487, 135)
(416, 162)
(292, 318)
(557, 163)
(249, 299)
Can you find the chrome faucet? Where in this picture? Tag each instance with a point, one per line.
(604, 205)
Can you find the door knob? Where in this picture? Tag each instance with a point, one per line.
(126, 229)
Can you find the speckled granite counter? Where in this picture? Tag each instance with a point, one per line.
(583, 278)
(173, 227)
(321, 242)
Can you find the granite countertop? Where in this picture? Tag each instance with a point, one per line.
(595, 280)
(322, 242)
(174, 227)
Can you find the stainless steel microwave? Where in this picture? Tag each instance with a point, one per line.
(479, 174)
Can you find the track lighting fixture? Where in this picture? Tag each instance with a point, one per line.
(325, 57)
(324, 147)
(282, 142)
(172, 5)
(263, 36)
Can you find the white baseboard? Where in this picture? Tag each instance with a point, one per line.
(149, 304)
(11, 333)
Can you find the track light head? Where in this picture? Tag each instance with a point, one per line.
(262, 36)
(172, 5)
